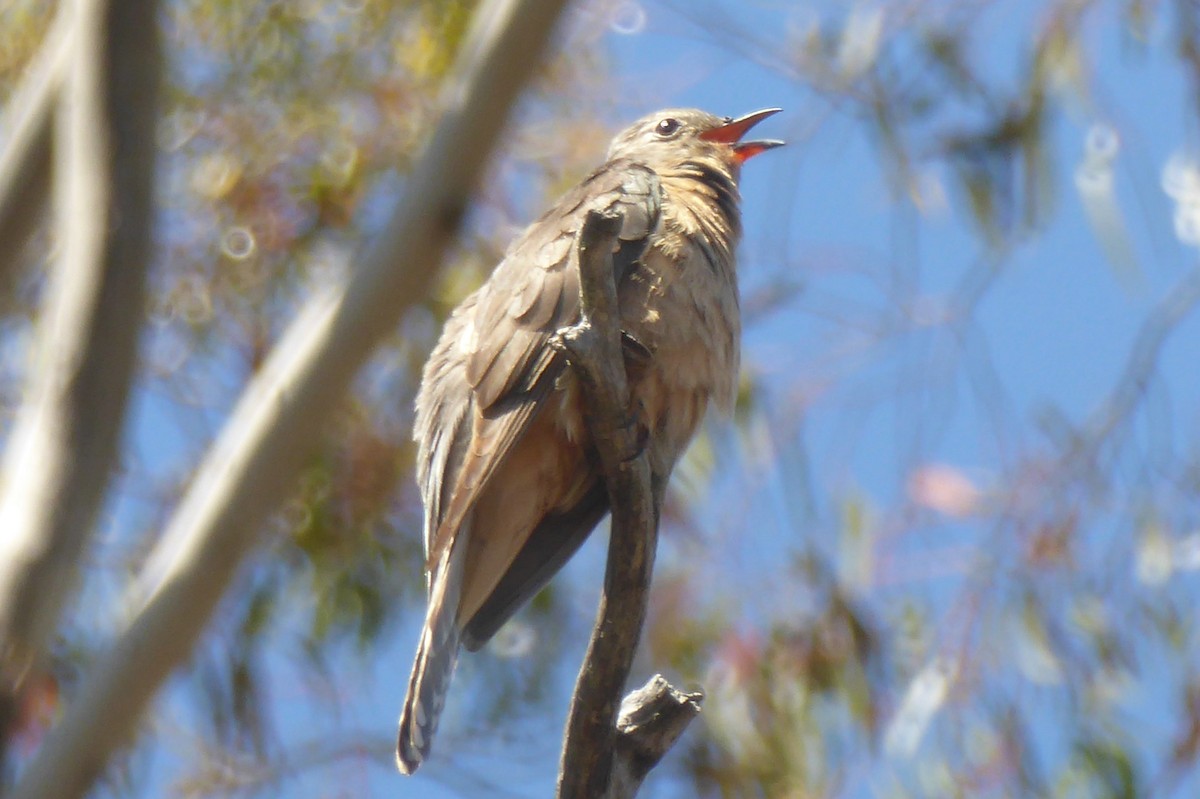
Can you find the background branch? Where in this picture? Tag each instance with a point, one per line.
(270, 433)
(25, 162)
(594, 346)
(62, 450)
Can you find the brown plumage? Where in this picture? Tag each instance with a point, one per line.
(508, 474)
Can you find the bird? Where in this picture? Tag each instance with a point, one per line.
(509, 478)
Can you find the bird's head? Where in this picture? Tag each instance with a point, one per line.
(669, 137)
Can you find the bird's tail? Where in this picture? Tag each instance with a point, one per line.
(437, 653)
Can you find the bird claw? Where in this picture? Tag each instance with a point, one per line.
(567, 340)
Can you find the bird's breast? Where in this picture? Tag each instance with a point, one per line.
(684, 312)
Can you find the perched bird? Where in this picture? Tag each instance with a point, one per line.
(509, 477)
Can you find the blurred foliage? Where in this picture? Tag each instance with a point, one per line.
(1051, 592)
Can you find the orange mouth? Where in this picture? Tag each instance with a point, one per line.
(732, 131)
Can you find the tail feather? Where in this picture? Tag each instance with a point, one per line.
(437, 653)
(427, 689)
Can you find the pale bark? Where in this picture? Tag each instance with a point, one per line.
(650, 722)
(66, 438)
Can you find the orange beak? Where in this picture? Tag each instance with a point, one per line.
(732, 131)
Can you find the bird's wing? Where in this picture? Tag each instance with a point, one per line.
(442, 426)
(509, 363)
(551, 544)
(535, 290)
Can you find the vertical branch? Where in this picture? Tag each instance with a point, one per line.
(594, 346)
(271, 432)
(63, 446)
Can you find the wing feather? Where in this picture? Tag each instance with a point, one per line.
(503, 333)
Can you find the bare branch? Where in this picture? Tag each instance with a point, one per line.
(25, 163)
(62, 449)
(652, 719)
(594, 347)
(270, 434)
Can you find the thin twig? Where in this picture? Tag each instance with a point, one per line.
(270, 434)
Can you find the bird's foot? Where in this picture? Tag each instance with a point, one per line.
(572, 340)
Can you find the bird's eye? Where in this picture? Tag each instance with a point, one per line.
(667, 127)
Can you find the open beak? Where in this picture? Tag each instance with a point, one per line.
(732, 131)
